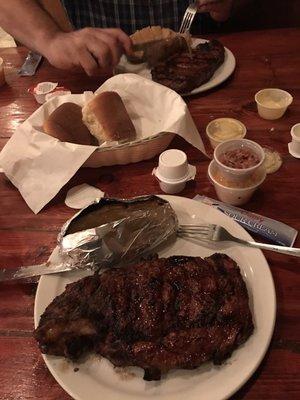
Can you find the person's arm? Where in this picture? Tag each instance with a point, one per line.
(89, 48)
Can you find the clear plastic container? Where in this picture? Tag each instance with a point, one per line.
(238, 174)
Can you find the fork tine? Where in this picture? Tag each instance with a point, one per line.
(198, 231)
(208, 226)
(187, 22)
(183, 23)
(195, 229)
(200, 238)
(190, 20)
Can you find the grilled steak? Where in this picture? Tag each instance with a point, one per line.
(183, 72)
(161, 314)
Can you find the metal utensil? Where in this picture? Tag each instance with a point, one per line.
(216, 233)
(33, 270)
(188, 18)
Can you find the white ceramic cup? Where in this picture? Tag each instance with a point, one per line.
(233, 196)
(238, 174)
(295, 133)
(272, 103)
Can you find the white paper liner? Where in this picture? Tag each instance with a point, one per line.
(40, 165)
(82, 195)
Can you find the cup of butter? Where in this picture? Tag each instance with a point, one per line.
(222, 129)
(272, 103)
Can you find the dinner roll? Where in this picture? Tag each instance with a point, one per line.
(65, 123)
(107, 118)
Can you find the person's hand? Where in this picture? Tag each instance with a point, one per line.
(219, 10)
(93, 49)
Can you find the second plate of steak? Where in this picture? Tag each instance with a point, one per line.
(161, 314)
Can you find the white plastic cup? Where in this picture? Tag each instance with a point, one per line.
(226, 124)
(238, 174)
(234, 196)
(171, 187)
(295, 133)
(173, 165)
(173, 171)
(42, 89)
(272, 103)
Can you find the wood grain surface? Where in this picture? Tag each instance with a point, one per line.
(264, 59)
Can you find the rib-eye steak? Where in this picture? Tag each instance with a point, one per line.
(176, 312)
(184, 72)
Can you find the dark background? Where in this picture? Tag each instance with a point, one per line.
(265, 14)
(253, 15)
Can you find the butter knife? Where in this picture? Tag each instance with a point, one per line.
(8, 274)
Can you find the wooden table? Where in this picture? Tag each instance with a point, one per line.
(264, 59)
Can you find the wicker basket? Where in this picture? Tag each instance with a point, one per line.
(128, 153)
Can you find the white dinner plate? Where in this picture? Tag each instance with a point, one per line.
(220, 75)
(98, 379)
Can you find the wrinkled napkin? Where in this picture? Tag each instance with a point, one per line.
(40, 165)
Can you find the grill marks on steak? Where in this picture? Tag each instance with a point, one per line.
(161, 314)
(184, 73)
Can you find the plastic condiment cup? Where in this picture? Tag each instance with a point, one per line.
(222, 129)
(272, 103)
(173, 171)
(238, 173)
(234, 196)
(42, 89)
(295, 133)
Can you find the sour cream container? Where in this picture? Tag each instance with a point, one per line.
(173, 171)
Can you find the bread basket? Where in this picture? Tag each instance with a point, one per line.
(128, 153)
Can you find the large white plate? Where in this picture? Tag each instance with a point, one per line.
(97, 379)
(221, 74)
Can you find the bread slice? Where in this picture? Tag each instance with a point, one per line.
(65, 123)
(107, 118)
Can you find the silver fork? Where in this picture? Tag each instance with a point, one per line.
(188, 18)
(216, 233)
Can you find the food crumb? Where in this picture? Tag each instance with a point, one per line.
(272, 129)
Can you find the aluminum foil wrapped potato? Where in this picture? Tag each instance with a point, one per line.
(113, 232)
(162, 43)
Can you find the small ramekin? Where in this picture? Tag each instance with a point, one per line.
(272, 103)
(217, 123)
